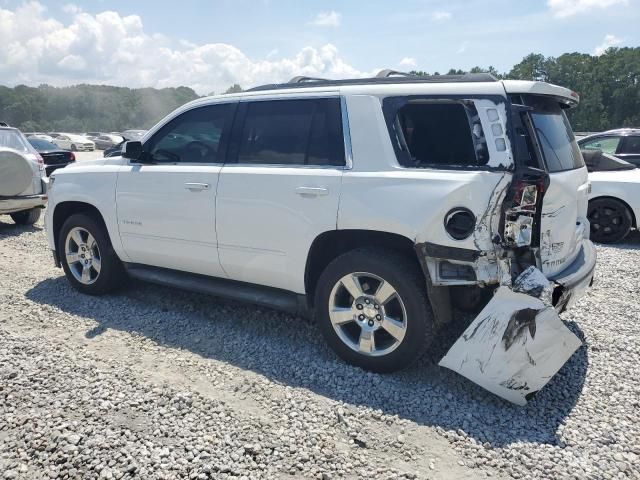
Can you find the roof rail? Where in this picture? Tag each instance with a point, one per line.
(306, 82)
(302, 79)
(387, 72)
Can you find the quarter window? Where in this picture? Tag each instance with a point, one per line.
(606, 144)
(292, 132)
(192, 137)
(439, 134)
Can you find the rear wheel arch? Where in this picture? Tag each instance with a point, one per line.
(329, 245)
(64, 210)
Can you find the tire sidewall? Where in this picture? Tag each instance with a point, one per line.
(26, 217)
(418, 311)
(109, 261)
(626, 214)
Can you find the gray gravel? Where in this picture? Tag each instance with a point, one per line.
(158, 383)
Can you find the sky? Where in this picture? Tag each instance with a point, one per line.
(210, 45)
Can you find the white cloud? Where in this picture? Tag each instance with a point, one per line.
(441, 16)
(327, 19)
(568, 8)
(108, 48)
(608, 42)
(462, 48)
(408, 62)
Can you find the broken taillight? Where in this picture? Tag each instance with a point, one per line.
(519, 218)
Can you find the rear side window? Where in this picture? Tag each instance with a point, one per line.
(292, 132)
(631, 145)
(13, 139)
(438, 134)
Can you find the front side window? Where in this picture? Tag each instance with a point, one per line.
(437, 134)
(192, 137)
(292, 132)
(631, 145)
(606, 144)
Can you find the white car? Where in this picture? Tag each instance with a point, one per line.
(374, 205)
(614, 202)
(23, 189)
(75, 143)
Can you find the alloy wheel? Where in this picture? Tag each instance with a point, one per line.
(83, 255)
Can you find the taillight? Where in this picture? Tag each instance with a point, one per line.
(40, 161)
(72, 157)
(519, 217)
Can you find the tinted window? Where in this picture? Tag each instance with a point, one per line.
(192, 137)
(606, 144)
(561, 152)
(40, 144)
(292, 132)
(631, 145)
(437, 134)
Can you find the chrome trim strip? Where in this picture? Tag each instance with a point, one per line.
(346, 132)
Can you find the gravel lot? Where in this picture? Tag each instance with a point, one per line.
(157, 383)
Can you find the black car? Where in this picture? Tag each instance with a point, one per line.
(52, 155)
(624, 143)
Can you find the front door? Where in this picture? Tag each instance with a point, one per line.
(166, 202)
(280, 189)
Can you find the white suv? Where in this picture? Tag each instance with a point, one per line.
(379, 205)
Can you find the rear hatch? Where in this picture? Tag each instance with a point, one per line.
(563, 219)
(563, 223)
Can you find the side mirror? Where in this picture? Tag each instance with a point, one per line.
(132, 150)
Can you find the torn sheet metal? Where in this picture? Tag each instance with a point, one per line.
(513, 347)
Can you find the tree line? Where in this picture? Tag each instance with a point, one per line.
(608, 84)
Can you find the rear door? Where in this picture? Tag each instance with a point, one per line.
(280, 189)
(629, 149)
(564, 210)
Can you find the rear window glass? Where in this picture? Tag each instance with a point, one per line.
(12, 139)
(555, 136)
(439, 134)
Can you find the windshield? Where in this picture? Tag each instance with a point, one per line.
(13, 139)
(561, 152)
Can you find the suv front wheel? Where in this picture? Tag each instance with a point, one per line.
(372, 308)
(87, 257)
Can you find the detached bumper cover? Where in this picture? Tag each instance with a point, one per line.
(518, 341)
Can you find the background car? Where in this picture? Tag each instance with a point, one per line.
(42, 136)
(52, 155)
(624, 143)
(92, 135)
(127, 135)
(74, 143)
(23, 191)
(614, 201)
(107, 141)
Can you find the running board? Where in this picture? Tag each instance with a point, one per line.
(219, 287)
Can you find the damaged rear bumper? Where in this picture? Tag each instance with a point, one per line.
(518, 341)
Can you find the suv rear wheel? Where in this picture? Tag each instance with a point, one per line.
(371, 306)
(87, 256)
(26, 217)
(610, 220)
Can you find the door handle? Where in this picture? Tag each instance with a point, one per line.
(312, 191)
(196, 187)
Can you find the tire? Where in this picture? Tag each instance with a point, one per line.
(105, 270)
(27, 217)
(610, 220)
(349, 339)
(73, 147)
